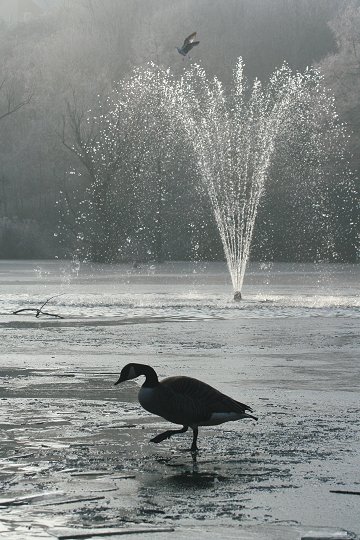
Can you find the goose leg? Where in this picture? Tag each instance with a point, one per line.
(168, 434)
(194, 447)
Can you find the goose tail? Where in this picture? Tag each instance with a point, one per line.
(250, 416)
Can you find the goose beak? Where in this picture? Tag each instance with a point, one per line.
(120, 380)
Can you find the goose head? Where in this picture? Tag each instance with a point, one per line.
(132, 371)
(128, 372)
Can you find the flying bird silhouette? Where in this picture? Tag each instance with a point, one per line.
(188, 44)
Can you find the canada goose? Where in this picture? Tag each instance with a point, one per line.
(183, 400)
(188, 44)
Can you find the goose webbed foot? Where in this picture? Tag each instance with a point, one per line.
(167, 434)
(161, 437)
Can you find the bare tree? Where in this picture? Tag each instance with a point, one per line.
(89, 207)
(12, 103)
(341, 72)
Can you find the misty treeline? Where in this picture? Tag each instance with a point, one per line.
(71, 184)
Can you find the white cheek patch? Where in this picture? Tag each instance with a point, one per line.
(132, 373)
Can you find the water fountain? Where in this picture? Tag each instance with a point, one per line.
(235, 137)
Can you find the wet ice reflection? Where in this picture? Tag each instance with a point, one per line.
(80, 446)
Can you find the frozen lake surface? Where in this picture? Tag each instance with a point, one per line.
(80, 446)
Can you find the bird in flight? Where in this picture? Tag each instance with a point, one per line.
(188, 44)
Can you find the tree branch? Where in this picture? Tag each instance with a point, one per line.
(39, 311)
(14, 108)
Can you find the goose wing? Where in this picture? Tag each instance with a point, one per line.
(189, 46)
(189, 39)
(191, 401)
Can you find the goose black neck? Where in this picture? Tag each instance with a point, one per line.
(151, 376)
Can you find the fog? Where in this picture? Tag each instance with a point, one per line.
(136, 186)
(59, 62)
